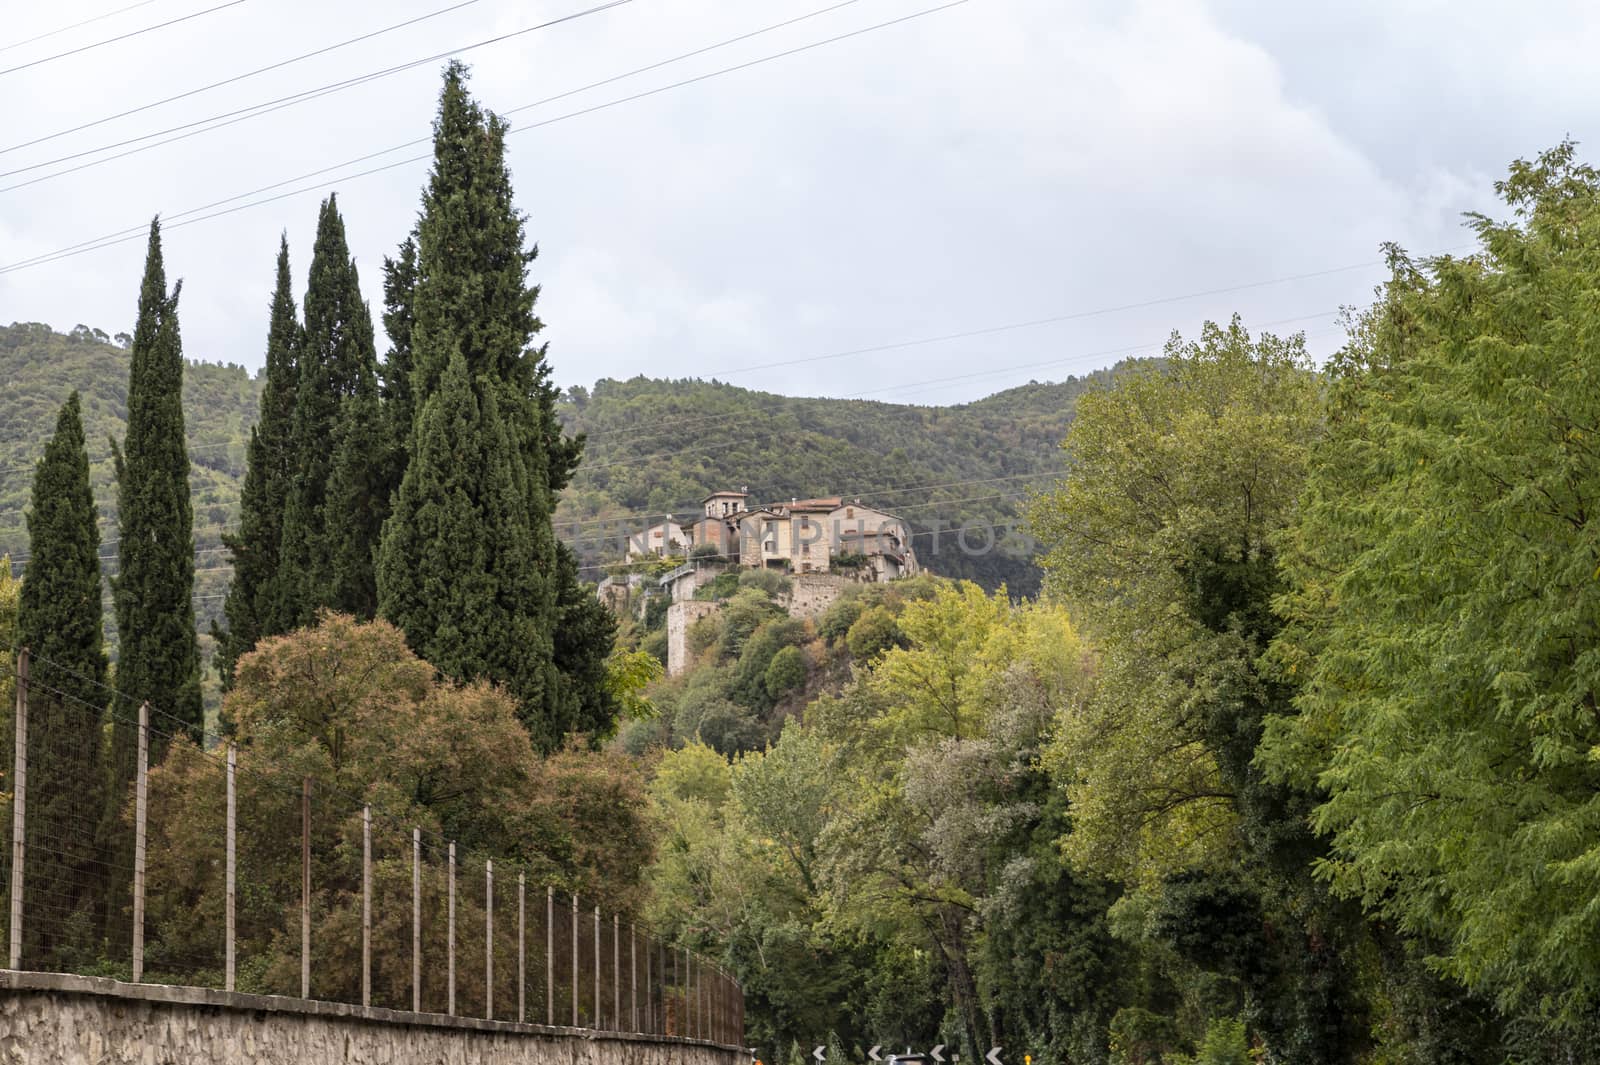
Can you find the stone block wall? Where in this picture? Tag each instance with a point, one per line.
(679, 617)
(50, 1019)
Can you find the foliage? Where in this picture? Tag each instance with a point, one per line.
(785, 672)
(1444, 601)
(784, 447)
(58, 621)
(469, 566)
(872, 633)
(158, 660)
(347, 704)
(335, 504)
(257, 601)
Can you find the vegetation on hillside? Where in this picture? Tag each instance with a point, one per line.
(658, 447)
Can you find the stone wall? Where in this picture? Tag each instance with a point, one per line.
(679, 617)
(50, 1019)
(814, 593)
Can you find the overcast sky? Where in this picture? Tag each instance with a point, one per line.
(998, 162)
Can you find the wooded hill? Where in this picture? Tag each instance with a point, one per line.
(40, 367)
(655, 447)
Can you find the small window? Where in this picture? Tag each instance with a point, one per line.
(805, 549)
(805, 567)
(849, 512)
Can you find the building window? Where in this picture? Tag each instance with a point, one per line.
(805, 567)
(805, 549)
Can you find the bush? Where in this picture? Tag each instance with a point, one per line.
(873, 633)
(770, 581)
(836, 622)
(786, 672)
(722, 586)
(749, 685)
(705, 551)
(702, 634)
(740, 618)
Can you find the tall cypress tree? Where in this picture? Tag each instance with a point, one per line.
(471, 304)
(59, 621)
(158, 655)
(399, 408)
(337, 363)
(256, 604)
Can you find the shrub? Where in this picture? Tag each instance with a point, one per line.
(770, 581)
(786, 672)
(873, 633)
(836, 622)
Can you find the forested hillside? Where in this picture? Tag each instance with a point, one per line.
(657, 447)
(40, 367)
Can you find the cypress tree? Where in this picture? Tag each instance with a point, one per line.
(256, 604)
(59, 621)
(399, 410)
(471, 304)
(337, 363)
(158, 655)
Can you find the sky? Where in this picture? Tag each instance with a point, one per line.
(1050, 185)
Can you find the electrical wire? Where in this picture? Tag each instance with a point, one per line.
(241, 77)
(111, 240)
(75, 25)
(120, 37)
(244, 114)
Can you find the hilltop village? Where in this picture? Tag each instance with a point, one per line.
(822, 545)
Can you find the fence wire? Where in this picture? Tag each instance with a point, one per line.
(133, 851)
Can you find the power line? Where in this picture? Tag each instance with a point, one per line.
(243, 114)
(123, 236)
(75, 25)
(241, 77)
(119, 37)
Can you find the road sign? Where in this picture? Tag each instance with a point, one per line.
(873, 1053)
(820, 1054)
(993, 1057)
(937, 1053)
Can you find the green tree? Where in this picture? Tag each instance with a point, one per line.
(399, 406)
(58, 620)
(330, 526)
(1446, 612)
(785, 672)
(256, 603)
(469, 566)
(1183, 478)
(157, 650)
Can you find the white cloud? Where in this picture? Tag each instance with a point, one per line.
(1000, 161)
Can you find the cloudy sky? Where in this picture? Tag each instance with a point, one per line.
(1103, 165)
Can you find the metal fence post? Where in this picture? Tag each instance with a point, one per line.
(549, 955)
(366, 906)
(19, 805)
(230, 942)
(416, 919)
(450, 942)
(576, 954)
(649, 1011)
(598, 1012)
(522, 948)
(488, 939)
(633, 976)
(305, 887)
(616, 973)
(141, 799)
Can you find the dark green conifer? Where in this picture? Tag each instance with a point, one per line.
(470, 303)
(256, 604)
(337, 361)
(59, 622)
(457, 564)
(158, 655)
(399, 410)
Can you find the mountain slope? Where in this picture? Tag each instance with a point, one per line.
(657, 447)
(39, 368)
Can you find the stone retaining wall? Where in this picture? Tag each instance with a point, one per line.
(51, 1019)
